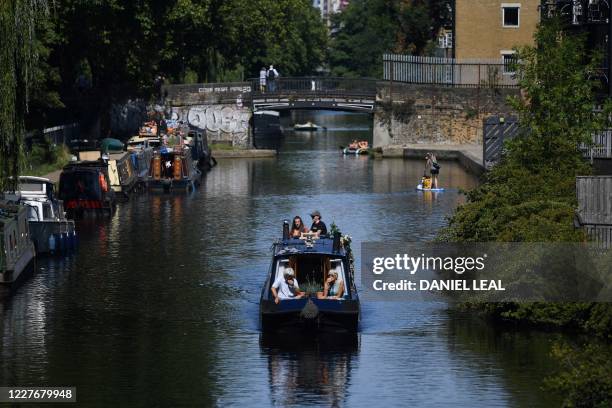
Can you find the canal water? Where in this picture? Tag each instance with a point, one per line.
(160, 305)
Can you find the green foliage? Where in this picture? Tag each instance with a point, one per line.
(45, 158)
(369, 28)
(530, 195)
(584, 380)
(17, 58)
(187, 40)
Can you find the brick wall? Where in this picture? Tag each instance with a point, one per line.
(479, 32)
(422, 114)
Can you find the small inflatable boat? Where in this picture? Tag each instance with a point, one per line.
(361, 147)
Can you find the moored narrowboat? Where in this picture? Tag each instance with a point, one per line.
(173, 168)
(85, 189)
(16, 248)
(310, 262)
(50, 230)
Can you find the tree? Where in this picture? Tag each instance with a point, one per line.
(18, 20)
(530, 194)
(368, 28)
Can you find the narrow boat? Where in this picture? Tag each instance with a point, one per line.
(173, 168)
(308, 126)
(119, 169)
(361, 147)
(16, 248)
(85, 189)
(312, 260)
(50, 230)
(267, 133)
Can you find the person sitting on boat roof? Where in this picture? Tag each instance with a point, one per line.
(298, 227)
(333, 287)
(354, 144)
(287, 287)
(318, 226)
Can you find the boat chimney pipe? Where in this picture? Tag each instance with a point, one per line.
(336, 247)
(285, 230)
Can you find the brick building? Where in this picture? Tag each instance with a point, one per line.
(491, 28)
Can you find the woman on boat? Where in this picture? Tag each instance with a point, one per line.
(431, 165)
(297, 228)
(333, 287)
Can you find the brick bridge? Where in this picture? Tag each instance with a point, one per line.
(401, 113)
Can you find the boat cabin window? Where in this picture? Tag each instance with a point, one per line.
(47, 211)
(33, 213)
(32, 187)
(311, 270)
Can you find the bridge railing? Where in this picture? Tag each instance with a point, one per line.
(316, 86)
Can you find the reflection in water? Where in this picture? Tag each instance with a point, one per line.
(315, 370)
(160, 305)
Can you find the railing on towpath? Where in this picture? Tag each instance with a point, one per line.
(461, 73)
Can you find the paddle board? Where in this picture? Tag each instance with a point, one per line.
(420, 188)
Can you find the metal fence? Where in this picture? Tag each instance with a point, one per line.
(601, 147)
(594, 213)
(57, 135)
(468, 73)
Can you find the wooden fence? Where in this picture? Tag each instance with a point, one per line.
(594, 211)
(468, 73)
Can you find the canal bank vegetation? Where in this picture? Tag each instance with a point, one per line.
(67, 62)
(45, 158)
(530, 197)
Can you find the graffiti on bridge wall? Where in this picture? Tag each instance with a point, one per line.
(222, 122)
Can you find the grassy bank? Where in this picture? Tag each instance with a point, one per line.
(44, 159)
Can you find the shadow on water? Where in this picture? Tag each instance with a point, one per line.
(314, 370)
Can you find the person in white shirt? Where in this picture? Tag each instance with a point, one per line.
(286, 287)
(262, 79)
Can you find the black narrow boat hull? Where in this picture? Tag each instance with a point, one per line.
(331, 315)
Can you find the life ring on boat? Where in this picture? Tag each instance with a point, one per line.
(363, 144)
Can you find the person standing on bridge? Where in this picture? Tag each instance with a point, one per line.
(263, 72)
(271, 78)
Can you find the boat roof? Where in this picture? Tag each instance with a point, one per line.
(321, 246)
(34, 179)
(85, 165)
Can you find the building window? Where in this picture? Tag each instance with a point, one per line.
(509, 60)
(445, 40)
(511, 14)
